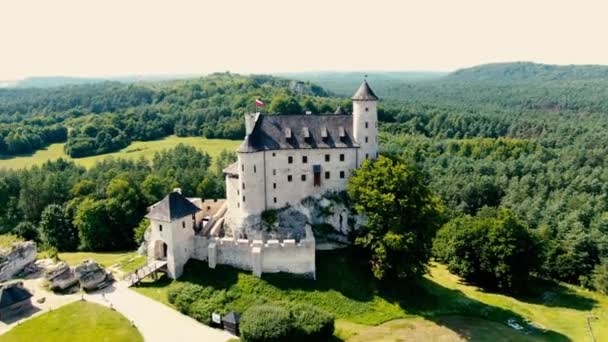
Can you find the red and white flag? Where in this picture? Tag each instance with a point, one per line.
(259, 103)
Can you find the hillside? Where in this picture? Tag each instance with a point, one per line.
(105, 117)
(344, 83)
(528, 71)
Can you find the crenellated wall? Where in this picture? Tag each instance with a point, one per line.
(270, 257)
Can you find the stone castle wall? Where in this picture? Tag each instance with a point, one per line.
(258, 256)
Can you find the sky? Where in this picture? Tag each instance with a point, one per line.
(93, 38)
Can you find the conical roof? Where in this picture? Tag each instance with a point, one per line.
(365, 93)
(172, 207)
(340, 110)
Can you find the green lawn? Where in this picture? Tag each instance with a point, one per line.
(79, 321)
(345, 288)
(135, 150)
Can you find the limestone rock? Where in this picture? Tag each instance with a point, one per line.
(90, 275)
(15, 258)
(60, 276)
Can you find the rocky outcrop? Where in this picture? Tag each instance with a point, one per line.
(15, 258)
(60, 276)
(90, 275)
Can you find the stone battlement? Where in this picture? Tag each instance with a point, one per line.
(258, 256)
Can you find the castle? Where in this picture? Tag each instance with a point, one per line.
(283, 160)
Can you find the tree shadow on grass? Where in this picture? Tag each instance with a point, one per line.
(434, 302)
(549, 293)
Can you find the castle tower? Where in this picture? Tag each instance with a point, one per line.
(172, 227)
(365, 122)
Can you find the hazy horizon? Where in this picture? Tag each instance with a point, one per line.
(70, 38)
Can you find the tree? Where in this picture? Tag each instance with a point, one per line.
(402, 216)
(56, 230)
(153, 189)
(91, 220)
(27, 230)
(600, 277)
(492, 249)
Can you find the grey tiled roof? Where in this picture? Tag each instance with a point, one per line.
(12, 294)
(271, 132)
(172, 207)
(365, 93)
(232, 169)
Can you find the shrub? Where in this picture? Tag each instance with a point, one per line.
(188, 294)
(600, 278)
(173, 292)
(266, 323)
(311, 323)
(27, 231)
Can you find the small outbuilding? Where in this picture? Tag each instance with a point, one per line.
(14, 300)
(231, 322)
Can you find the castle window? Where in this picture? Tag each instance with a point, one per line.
(274, 172)
(243, 167)
(304, 159)
(341, 132)
(366, 109)
(342, 157)
(243, 186)
(303, 178)
(183, 224)
(254, 169)
(289, 178)
(274, 154)
(238, 192)
(366, 156)
(160, 227)
(326, 174)
(194, 216)
(274, 200)
(306, 132)
(274, 185)
(366, 140)
(366, 124)
(341, 174)
(290, 160)
(288, 133)
(243, 199)
(327, 157)
(238, 205)
(376, 154)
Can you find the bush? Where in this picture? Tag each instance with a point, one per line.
(266, 323)
(311, 323)
(27, 231)
(600, 278)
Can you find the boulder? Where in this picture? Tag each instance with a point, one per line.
(90, 275)
(60, 276)
(15, 258)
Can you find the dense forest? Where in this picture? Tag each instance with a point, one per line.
(105, 117)
(524, 138)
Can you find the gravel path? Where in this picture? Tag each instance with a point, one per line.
(156, 321)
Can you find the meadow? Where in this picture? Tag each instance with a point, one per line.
(134, 151)
(437, 306)
(79, 321)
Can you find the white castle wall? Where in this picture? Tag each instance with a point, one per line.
(270, 257)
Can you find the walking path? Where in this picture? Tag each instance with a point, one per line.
(154, 320)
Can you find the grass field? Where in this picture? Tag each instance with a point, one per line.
(136, 150)
(79, 321)
(125, 261)
(345, 288)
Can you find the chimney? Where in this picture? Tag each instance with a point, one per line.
(250, 120)
(178, 190)
(308, 112)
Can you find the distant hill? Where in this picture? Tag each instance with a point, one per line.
(528, 71)
(344, 83)
(60, 81)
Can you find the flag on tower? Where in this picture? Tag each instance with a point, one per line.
(259, 103)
